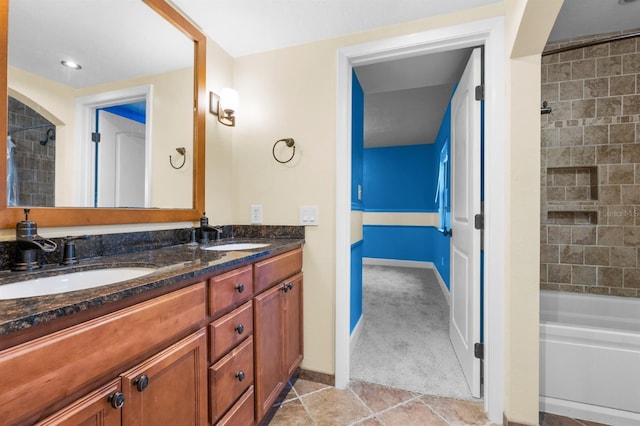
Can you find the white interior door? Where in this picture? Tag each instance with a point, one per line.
(121, 162)
(464, 317)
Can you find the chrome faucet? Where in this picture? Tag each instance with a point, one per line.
(29, 245)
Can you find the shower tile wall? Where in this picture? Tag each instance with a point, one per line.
(590, 232)
(36, 162)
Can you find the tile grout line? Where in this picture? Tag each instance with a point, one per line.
(371, 416)
(434, 411)
(304, 406)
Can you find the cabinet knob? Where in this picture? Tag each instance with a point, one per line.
(285, 288)
(116, 399)
(290, 286)
(239, 329)
(141, 382)
(239, 288)
(240, 376)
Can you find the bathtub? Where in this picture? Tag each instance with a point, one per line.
(590, 357)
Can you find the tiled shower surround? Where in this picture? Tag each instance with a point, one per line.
(590, 187)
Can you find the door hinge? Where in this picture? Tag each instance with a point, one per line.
(478, 350)
(95, 137)
(479, 221)
(480, 93)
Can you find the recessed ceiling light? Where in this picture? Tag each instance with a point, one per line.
(625, 1)
(71, 64)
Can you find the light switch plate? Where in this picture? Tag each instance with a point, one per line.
(308, 215)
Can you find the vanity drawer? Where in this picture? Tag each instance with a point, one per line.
(276, 269)
(229, 378)
(241, 414)
(231, 329)
(230, 289)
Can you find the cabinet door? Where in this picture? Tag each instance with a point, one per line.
(94, 409)
(293, 339)
(169, 388)
(267, 329)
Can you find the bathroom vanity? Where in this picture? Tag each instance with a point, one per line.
(210, 337)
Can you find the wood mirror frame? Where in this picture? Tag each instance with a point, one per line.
(63, 216)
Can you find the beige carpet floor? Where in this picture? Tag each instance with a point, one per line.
(405, 337)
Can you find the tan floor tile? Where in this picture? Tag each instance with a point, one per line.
(457, 412)
(411, 413)
(291, 414)
(304, 387)
(379, 398)
(369, 422)
(333, 407)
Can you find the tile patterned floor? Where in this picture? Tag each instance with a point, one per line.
(309, 403)
(365, 404)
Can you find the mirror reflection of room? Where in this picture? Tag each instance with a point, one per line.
(54, 156)
(31, 158)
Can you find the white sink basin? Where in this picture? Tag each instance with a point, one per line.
(235, 246)
(69, 282)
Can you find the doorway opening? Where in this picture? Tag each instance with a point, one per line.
(402, 337)
(489, 34)
(113, 148)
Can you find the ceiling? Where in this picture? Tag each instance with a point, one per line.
(405, 100)
(412, 88)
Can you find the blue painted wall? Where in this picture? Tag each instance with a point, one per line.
(355, 310)
(400, 179)
(357, 152)
(357, 141)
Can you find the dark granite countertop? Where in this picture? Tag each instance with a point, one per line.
(172, 265)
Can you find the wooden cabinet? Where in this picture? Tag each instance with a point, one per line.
(231, 347)
(215, 352)
(99, 408)
(58, 371)
(277, 327)
(293, 342)
(169, 388)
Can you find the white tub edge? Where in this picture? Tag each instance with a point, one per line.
(589, 412)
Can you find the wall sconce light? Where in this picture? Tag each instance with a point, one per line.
(224, 106)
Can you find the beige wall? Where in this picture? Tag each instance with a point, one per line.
(170, 128)
(528, 25)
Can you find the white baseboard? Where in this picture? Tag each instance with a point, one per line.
(589, 412)
(410, 264)
(357, 332)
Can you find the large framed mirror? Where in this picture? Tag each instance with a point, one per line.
(146, 89)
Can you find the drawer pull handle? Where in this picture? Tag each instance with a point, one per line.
(239, 288)
(287, 287)
(239, 329)
(141, 382)
(240, 376)
(116, 399)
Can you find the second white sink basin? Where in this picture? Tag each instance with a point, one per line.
(70, 282)
(235, 246)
